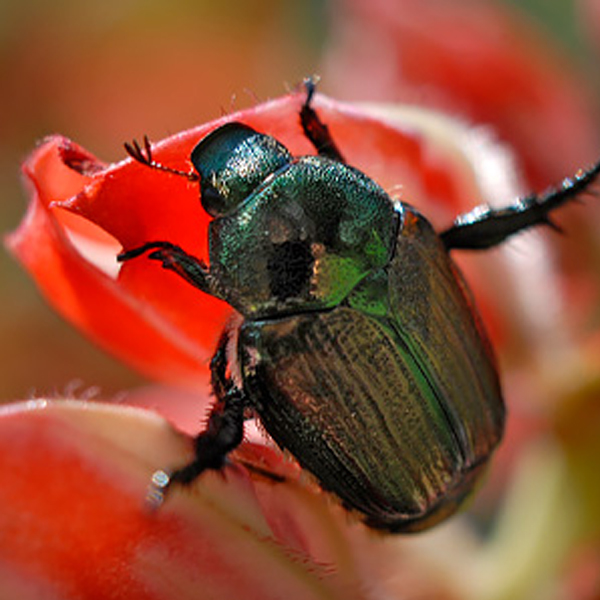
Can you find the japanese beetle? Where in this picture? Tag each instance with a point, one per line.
(359, 348)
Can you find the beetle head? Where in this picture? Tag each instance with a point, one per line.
(233, 161)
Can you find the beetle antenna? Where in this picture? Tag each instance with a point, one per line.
(143, 155)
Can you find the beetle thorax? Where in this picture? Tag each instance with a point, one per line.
(289, 234)
(303, 241)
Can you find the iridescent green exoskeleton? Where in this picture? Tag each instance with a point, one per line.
(359, 348)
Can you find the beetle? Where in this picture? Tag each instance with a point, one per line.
(359, 347)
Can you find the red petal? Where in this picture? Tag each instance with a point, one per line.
(98, 305)
(73, 522)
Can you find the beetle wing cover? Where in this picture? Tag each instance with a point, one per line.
(341, 392)
(432, 312)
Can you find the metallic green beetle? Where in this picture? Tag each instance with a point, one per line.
(359, 350)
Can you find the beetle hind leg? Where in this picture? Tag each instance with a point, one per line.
(486, 227)
(224, 431)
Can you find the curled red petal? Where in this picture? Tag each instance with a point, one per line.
(97, 304)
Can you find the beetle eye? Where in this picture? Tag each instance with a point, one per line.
(232, 162)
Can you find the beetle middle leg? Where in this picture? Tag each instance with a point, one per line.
(485, 227)
(314, 129)
(224, 431)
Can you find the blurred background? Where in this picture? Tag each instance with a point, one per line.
(103, 73)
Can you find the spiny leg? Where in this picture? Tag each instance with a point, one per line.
(224, 431)
(314, 129)
(485, 227)
(174, 258)
(221, 381)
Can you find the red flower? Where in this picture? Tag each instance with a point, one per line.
(82, 213)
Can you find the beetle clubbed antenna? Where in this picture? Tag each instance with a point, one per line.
(143, 155)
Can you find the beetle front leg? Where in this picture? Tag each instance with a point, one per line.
(174, 258)
(485, 227)
(314, 129)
